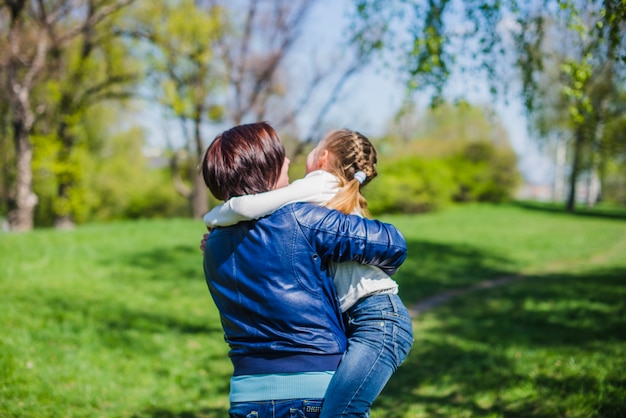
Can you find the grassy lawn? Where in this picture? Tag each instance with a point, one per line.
(115, 320)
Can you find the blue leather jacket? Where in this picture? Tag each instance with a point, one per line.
(270, 282)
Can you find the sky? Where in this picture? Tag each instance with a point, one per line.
(383, 93)
(374, 97)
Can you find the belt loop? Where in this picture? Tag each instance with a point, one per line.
(393, 301)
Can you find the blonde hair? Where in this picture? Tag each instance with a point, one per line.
(350, 152)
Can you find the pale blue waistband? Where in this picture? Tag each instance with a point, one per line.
(264, 387)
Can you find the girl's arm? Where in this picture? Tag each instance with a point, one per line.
(316, 187)
(339, 237)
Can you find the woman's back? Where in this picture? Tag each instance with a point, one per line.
(271, 290)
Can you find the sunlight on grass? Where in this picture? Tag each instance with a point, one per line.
(115, 320)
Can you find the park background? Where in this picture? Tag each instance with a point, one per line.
(500, 129)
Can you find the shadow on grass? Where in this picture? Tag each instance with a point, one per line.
(430, 268)
(165, 263)
(202, 413)
(433, 268)
(119, 324)
(543, 347)
(606, 213)
(467, 365)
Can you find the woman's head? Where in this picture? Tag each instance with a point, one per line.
(246, 159)
(344, 153)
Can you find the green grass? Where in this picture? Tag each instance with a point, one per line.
(109, 320)
(464, 245)
(115, 320)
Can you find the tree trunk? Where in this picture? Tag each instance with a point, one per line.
(578, 150)
(21, 218)
(19, 86)
(63, 218)
(558, 192)
(199, 196)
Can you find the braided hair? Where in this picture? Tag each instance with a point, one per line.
(348, 153)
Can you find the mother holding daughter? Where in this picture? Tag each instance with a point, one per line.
(282, 282)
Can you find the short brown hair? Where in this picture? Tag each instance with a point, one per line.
(243, 160)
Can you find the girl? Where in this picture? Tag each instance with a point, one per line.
(378, 324)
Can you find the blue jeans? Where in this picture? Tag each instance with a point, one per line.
(285, 408)
(380, 336)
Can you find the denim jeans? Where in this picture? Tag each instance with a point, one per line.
(286, 408)
(380, 336)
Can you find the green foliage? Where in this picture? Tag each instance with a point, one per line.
(7, 161)
(614, 183)
(86, 63)
(410, 185)
(45, 184)
(116, 182)
(477, 172)
(579, 72)
(484, 173)
(454, 153)
(182, 60)
(123, 185)
(568, 54)
(186, 77)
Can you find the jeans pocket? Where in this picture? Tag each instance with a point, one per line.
(403, 341)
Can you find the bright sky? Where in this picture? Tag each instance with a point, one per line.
(376, 96)
(371, 99)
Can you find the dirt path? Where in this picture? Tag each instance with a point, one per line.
(436, 300)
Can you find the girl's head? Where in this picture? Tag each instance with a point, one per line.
(246, 159)
(344, 153)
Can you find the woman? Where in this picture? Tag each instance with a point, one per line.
(379, 328)
(270, 280)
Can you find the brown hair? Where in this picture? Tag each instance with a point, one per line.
(243, 160)
(349, 152)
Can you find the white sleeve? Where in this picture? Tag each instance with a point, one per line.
(317, 187)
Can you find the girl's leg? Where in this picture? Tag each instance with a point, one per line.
(379, 339)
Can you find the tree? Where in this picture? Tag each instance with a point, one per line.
(26, 47)
(94, 67)
(492, 38)
(91, 67)
(265, 79)
(591, 50)
(35, 33)
(182, 71)
(226, 63)
(7, 160)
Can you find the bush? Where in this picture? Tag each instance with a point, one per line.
(475, 172)
(410, 185)
(159, 201)
(484, 173)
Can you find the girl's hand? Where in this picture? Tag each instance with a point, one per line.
(203, 242)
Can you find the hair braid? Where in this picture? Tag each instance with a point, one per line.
(349, 152)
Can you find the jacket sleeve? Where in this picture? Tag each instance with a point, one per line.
(339, 237)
